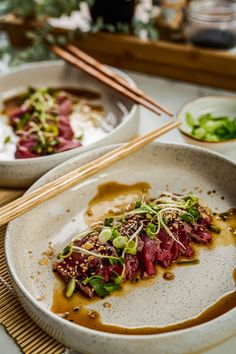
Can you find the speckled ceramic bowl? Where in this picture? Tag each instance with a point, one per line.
(217, 106)
(170, 167)
(22, 173)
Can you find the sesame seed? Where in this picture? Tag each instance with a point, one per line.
(107, 305)
(64, 315)
(92, 315)
(43, 261)
(168, 276)
(76, 308)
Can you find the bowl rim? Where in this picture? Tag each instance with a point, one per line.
(195, 101)
(61, 63)
(46, 312)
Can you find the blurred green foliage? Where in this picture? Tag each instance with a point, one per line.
(38, 9)
(35, 9)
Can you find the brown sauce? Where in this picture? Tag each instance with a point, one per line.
(234, 275)
(117, 196)
(227, 235)
(114, 198)
(12, 103)
(91, 319)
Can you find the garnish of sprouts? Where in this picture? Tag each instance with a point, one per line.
(156, 212)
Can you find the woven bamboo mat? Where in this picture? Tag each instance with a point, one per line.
(30, 338)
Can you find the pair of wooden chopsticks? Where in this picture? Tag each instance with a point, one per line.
(50, 190)
(93, 67)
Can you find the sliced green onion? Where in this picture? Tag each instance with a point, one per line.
(209, 128)
(189, 120)
(120, 241)
(214, 228)
(66, 252)
(70, 287)
(105, 235)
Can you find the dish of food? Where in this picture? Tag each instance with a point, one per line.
(132, 246)
(210, 128)
(127, 247)
(210, 122)
(45, 121)
(92, 115)
(187, 304)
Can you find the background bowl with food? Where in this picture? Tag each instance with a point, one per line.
(50, 112)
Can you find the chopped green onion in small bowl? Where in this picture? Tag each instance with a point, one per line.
(211, 123)
(210, 128)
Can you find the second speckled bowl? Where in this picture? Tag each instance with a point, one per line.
(23, 172)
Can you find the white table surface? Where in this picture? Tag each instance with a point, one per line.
(173, 94)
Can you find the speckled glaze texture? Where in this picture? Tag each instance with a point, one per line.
(165, 167)
(22, 173)
(216, 105)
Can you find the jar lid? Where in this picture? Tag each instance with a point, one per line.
(212, 10)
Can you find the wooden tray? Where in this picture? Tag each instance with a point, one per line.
(177, 61)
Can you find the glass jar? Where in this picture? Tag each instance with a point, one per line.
(211, 24)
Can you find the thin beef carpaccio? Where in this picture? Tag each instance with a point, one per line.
(132, 245)
(42, 124)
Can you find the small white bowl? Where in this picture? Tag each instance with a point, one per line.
(217, 106)
(170, 167)
(23, 172)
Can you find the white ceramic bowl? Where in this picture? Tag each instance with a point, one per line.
(23, 172)
(170, 167)
(217, 106)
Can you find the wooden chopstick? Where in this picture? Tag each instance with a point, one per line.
(112, 75)
(52, 189)
(102, 77)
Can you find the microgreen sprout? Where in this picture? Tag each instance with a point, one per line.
(82, 235)
(90, 253)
